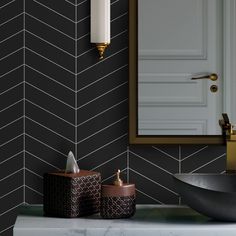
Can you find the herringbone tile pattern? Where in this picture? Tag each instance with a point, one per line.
(11, 112)
(56, 96)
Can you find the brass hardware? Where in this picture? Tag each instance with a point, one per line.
(230, 138)
(212, 77)
(214, 88)
(101, 49)
(118, 181)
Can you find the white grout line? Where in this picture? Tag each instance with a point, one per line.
(11, 157)
(50, 9)
(44, 40)
(180, 163)
(76, 84)
(11, 192)
(17, 85)
(16, 68)
(24, 129)
(151, 180)
(57, 168)
(5, 22)
(165, 153)
(10, 140)
(192, 154)
(8, 55)
(98, 114)
(103, 77)
(41, 177)
(7, 4)
(144, 159)
(154, 199)
(50, 78)
(115, 2)
(123, 49)
(11, 36)
(55, 98)
(50, 129)
(49, 26)
(83, 36)
(106, 127)
(86, 17)
(110, 159)
(11, 174)
(50, 61)
(69, 123)
(7, 229)
(14, 121)
(119, 34)
(10, 209)
(120, 16)
(70, 2)
(46, 145)
(34, 190)
(127, 163)
(89, 50)
(111, 90)
(78, 4)
(114, 140)
(208, 163)
(6, 108)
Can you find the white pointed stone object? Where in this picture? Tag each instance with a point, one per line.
(71, 164)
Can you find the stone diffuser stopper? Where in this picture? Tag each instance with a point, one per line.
(118, 200)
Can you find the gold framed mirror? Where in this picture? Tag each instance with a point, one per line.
(134, 136)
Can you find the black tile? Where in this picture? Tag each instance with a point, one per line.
(52, 87)
(10, 166)
(11, 148)
(11, 45)
(11, 114)
(44, 152)
(11, 27)
(102, 103)
(50, 121)
(11, 79)
(49, 69)
(11, 10)
(51, 53)
(50, 17)
(61, 7)
(11, 131)
(11, 62)
(45, 101)
(48, 136)
(49, 34)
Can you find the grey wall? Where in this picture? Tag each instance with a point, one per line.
(56, 96)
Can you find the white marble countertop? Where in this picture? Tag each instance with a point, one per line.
(149, 220)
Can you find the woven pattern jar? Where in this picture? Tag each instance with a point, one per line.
(118, 200)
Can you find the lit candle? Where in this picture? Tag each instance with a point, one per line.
(100, 24)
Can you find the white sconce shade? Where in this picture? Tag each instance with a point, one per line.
(100, 24)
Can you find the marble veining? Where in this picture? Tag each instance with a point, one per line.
(149, 220)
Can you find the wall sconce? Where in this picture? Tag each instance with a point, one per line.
(100, 24)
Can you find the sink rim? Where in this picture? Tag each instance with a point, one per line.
(179, 175)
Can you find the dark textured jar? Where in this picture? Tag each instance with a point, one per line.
(118, 200)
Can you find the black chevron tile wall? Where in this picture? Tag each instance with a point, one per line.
(11, 112)
(57, 96)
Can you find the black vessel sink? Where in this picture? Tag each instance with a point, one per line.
(213, 195)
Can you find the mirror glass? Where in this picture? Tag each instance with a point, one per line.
(180, 67)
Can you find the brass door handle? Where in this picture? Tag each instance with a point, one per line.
(212, 77)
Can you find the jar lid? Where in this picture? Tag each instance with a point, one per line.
(118, 191)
